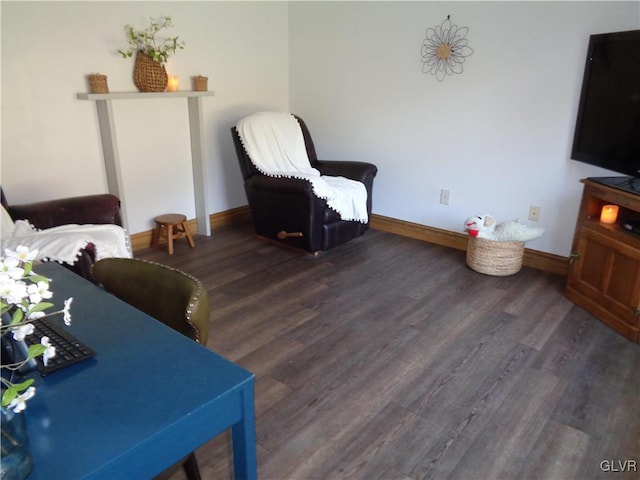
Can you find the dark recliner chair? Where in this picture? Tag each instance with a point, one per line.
(286, 211)
(88, 209)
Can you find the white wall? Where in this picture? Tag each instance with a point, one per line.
(498, 136)
(50, 139)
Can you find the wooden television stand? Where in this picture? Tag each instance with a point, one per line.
(604, 272)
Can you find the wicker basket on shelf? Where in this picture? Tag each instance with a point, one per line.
(492, 257)
(98, 83)
(200, 83)
(148, 74)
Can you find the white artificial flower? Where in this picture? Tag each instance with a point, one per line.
(19, 403)
(66, 312)
(35, 315)
(22, 253)
(50, 350)
(22, 331)
(39, 291)
(10, 267)
(14, 292)
(6, 287)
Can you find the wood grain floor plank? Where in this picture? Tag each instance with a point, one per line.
(466, 412)
(558, 452)
(371, 452)
(303, 447)
(501, 449)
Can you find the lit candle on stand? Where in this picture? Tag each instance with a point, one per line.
(609, 214)
(172, 84)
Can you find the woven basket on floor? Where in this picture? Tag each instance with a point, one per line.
(494, 258)
(149, 75)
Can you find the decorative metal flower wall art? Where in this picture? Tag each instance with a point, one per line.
(445, 49)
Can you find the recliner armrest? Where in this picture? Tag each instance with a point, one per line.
(361, 171)
(280, 184)
(95, 209)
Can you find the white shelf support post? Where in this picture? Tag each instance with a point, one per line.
(110, 155)
(197, 164)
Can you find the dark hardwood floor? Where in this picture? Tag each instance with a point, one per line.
(388, 358)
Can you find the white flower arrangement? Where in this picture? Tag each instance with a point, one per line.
(23, 295)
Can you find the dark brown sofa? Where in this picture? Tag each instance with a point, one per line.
(88, 209)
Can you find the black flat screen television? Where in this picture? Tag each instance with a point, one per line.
(607, 132)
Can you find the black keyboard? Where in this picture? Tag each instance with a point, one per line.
(69, 350)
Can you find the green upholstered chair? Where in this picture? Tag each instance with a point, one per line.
(171, 296)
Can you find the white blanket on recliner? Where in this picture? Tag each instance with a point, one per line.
(275, 146)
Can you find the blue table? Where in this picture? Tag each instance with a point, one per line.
(148, 398)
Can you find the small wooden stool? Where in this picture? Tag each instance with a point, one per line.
(176, 227)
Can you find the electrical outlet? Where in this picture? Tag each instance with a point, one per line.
(444, 197)
(534, 213)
